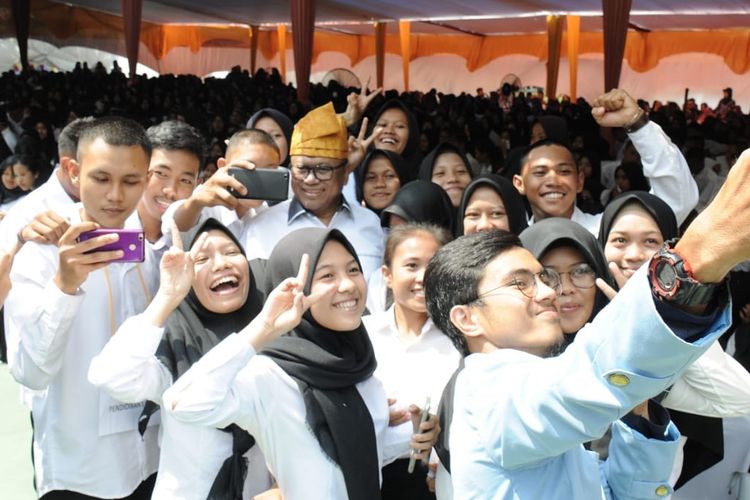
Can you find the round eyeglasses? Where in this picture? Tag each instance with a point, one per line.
(582, 276)
(527, 282)
(322, 172)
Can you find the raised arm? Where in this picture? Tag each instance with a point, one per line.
(663, 163)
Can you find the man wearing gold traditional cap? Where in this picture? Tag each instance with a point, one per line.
(319, 164)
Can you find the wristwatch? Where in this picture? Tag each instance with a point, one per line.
(672, 279)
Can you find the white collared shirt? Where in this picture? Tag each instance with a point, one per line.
(360, 226)
(411, 369)
(84, 441)
(48, 196)
(231, 384)
(191, 455)
(666, 170)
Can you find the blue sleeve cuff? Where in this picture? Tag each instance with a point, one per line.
(689, 327)
(656, 427)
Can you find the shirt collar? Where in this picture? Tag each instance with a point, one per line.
(296, 209)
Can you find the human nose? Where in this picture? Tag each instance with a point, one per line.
(634, 253)
(170, 189)
(567, 287)
(543, 291)
(420, 275)
(346, 284)
(220, 262)
(484, 223)
(116, 192)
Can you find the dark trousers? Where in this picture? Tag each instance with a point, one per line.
(398, 484)
(143, 492)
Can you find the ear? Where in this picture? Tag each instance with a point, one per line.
(221, 162)
(518, 183)
(463, 318)
(74, 171)
(581, 180)
(387, 275)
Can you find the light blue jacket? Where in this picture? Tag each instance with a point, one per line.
(519, 420)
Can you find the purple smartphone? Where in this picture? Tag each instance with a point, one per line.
(131, 242)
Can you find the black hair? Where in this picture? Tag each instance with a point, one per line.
(67, 142)
(453, 275)
(115, 131)
(253, 136)
(173, 135)
(543, 143)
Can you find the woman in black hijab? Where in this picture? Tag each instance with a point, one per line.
(419, 201)
(633, 228)
(573, 252)
(9, 190)
(277, 125)
(309, 397)
(448, 167)
(204, 296)
(379, 177)
(490, 202)
(398, 132)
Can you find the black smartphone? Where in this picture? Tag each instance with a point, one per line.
(263, 183)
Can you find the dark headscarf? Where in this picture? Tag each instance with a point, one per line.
(421, 201)
(634, 172)
(705, 444)
(658, 208)
(402, 171)
(191, 331)
(549, 233)
(410, 154)
(512, 200)
(327, 365)
(281, 120)
(428, 164)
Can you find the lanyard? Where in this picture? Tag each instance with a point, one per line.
(110, 299)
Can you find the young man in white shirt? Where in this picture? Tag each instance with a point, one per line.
(248, 149)
(179, 152)
(519, 420)
(320, 166)
(65, 303)
(550, 178)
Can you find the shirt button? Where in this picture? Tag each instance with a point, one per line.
(662, 491)
(618, 379)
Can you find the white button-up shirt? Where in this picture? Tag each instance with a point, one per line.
(231, 384)
(191, 455)
(84, 441)
(360, 226)
(666, 170)
(411, 369)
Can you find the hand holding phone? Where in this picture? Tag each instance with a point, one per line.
(270, 184)
(130, 241)
(423, 418)
(79, 258)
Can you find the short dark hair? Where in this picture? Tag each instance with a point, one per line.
(453, 275)
(174, 135)
(115, 131)
(544, 143)
(67, 143)
(252, 136)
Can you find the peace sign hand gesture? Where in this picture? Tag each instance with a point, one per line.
(284, 307)
(357, 103)
(176, 267)
(358, 146)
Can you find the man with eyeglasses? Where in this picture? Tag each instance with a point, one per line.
(516, 418)
(319, 166)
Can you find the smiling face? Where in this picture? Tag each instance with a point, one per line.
(450, 173)
(405, 276)
(222, 274)
(341, 311)
(172, 175)
(633, 239)
(394, 130)
(381, 183)
(574, 304)
(485, 211)
(269, 125)
(111, 180)
(505, 317)
(322, 198)
(550, 181)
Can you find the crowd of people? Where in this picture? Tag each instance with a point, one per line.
(491, 296)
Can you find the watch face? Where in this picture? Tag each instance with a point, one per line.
(666, 275)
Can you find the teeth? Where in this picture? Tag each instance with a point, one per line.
(387, 140)
(552, 196)
(347, 304)
(225, 279)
